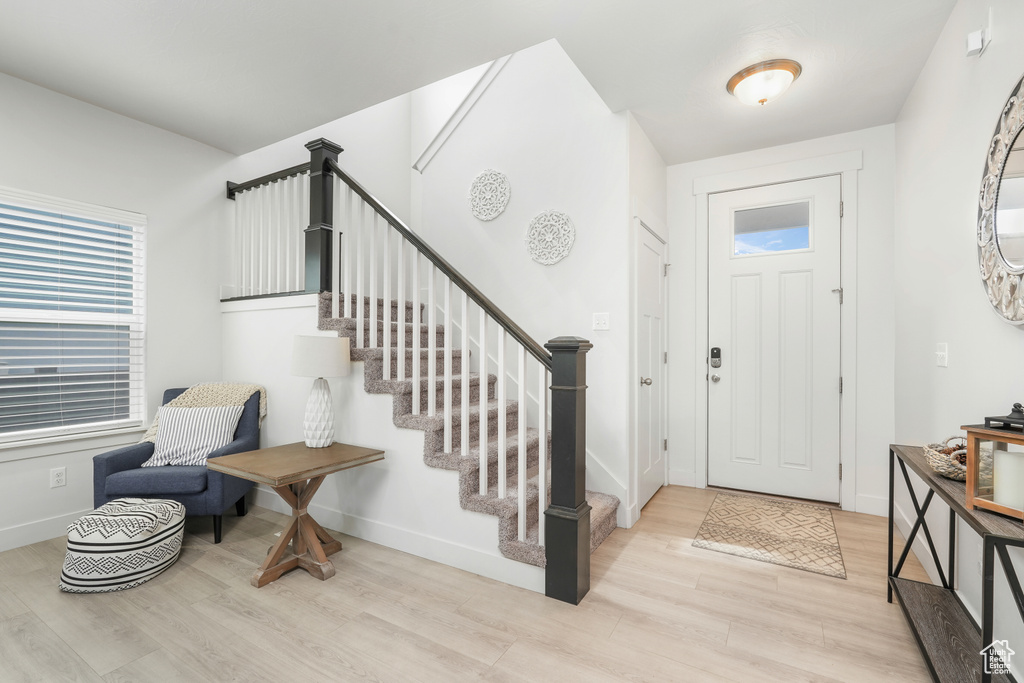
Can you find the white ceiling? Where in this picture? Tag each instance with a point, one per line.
(240, 74)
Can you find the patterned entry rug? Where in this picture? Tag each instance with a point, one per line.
(795, 535)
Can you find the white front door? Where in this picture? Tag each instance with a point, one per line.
(773, 330)
(650, 336)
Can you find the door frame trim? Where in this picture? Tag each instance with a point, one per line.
(845, 165)
(643, 219)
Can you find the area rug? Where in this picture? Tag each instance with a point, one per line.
(780, 532)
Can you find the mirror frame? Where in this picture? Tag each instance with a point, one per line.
(1002, 281)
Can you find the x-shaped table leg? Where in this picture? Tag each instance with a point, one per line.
(311, 544)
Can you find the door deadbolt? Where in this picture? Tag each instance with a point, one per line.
(648, 381)
(716, 357)
(715, 378)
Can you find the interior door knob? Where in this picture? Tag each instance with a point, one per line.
(648, 381)
(715, 378)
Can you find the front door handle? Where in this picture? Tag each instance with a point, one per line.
(715, 378)
(646, 381)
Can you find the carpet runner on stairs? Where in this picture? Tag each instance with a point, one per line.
(602, 516)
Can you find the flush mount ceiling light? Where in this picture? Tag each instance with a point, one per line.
(763, 82)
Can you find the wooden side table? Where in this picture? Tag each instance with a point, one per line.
(296, 472)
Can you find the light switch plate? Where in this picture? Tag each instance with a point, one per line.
(601, 321)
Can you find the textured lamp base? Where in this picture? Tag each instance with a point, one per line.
(318, 425)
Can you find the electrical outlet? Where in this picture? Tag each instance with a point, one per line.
(601, 321)
(58, 477)
(942, 355)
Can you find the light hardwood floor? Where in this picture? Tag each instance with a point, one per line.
(658, 609)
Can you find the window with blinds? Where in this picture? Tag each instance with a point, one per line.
(72, 322)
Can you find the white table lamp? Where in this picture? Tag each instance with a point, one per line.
(320, 357)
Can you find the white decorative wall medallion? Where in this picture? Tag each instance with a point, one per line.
(550, 237)
(488, 195)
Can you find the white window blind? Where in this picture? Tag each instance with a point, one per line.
(72, 320)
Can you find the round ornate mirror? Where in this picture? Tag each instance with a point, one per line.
(1001, 212)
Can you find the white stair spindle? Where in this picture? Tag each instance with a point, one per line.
(242, 232)
(358, 290)
(464, 346)
(337, 251)
(286, 223)
(400, 318)
(261, 259)
(431, 342)
(386, 305)
(350, 209)
(482, 364)
(502, 421)
(374, 229)
(542, 452)
(302, 209)
(417, 382)
(448, 395)
(521, 445)
(277, 206)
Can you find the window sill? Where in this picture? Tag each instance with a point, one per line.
(70, 443)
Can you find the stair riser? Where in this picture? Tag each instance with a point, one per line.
(325, 311)
(472, 471)
(378, 314)
(511, 421)
(375, 371)
(405, 400)
(407, 330)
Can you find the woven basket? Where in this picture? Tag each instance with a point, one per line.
(947, 465)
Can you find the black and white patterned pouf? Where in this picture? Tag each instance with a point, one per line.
(122, 544)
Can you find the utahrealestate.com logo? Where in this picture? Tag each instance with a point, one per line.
(997, 657)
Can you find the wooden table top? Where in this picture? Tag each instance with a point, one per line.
(294, 462)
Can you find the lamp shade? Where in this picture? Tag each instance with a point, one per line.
(320, 356)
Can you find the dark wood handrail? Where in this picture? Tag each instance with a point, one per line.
(235, 188)
(528, 342)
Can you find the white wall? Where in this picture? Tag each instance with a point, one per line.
(942, 137)
(647, 180)
(56, 145)
(542, 125)
(400, 501)
(874, 314)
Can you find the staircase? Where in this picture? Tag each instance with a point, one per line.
(603, 506)
(384, 288)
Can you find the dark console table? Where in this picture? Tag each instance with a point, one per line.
(948, 636)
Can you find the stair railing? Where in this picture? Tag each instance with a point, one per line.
(360, 251)
(269, 217)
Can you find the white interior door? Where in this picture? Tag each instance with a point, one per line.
(650, 336)
(773, 312)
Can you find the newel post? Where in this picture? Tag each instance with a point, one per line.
(321, 215)
(567, 519)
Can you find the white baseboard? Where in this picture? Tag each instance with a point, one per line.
(871, 505)
(682, 478)
(632, 516)
(39, 530)
(493, 566)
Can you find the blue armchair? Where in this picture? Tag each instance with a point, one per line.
(119, 473)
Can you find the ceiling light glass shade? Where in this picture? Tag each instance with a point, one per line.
(763, 82)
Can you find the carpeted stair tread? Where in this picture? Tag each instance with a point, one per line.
(603, 506)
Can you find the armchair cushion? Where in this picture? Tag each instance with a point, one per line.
(153, 481)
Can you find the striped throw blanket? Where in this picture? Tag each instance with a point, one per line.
(209, 395)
